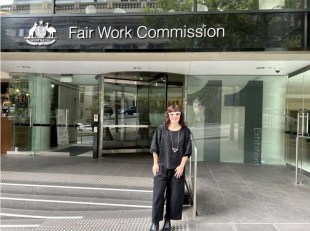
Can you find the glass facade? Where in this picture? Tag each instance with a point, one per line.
(298, 120)
(144, 6)
(238, 118)
(250, 119)
(50, 112)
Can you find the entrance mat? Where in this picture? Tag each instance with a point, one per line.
(76, 150)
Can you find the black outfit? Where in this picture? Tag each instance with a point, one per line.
(165, 181)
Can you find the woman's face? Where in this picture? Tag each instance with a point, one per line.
(174, 116)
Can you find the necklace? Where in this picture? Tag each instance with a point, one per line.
(175, 149)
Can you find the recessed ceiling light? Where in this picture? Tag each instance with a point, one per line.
(260, 68)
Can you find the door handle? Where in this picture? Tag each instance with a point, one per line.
(30, 116)
(307, 126)
(67, 117)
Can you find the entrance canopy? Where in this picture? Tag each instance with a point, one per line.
(188, 63)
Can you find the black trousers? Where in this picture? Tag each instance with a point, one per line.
(166, 183)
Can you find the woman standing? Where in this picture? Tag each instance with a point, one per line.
(171, 146)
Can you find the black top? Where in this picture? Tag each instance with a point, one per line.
(164, 140)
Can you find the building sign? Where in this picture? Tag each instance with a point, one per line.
(192, 32)
(144, 32)
(257, 145)
(40, 34)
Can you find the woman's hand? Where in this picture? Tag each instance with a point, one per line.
(155, 169)
(179, 171)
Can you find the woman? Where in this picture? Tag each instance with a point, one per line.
(171, 146)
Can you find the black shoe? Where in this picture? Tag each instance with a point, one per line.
(167, 225)
(154, 227)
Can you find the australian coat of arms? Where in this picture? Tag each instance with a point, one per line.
(41, 34)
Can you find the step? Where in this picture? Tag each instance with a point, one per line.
(126, 182)
(69, 203)
(8, 214)
(76, 191)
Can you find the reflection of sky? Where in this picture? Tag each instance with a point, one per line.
(9, 2)
(6, 2)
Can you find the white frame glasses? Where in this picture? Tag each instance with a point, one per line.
(174, 113)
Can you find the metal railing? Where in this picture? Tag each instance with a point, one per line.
(303, 134)
(191, 179)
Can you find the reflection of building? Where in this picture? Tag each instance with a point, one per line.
(198, 111)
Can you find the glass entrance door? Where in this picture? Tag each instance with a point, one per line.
(298, 121)
(125, 116)
(132, 109)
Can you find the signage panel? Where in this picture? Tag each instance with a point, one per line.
(196, 32)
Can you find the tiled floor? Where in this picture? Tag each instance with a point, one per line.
(230, 197)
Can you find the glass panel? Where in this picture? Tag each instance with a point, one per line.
(230, 118)
(20, 112)
(122, 120)
(175, 89)
(298, 103)
(74, 102)
(143, 6)
(88, 105)
(175, 95)
(122, 6)
(41, 99)
(138, 108)
(157, 102)
(306, 142)
(27, 6)
(273, 137)
(144, 137)
(53, 113)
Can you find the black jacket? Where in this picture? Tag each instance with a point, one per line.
(163, 141)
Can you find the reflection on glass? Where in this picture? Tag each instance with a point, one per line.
(20, 109)
(152, 6)
(221, 112)
(26, 6)
(298, 103)
(122, 118)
